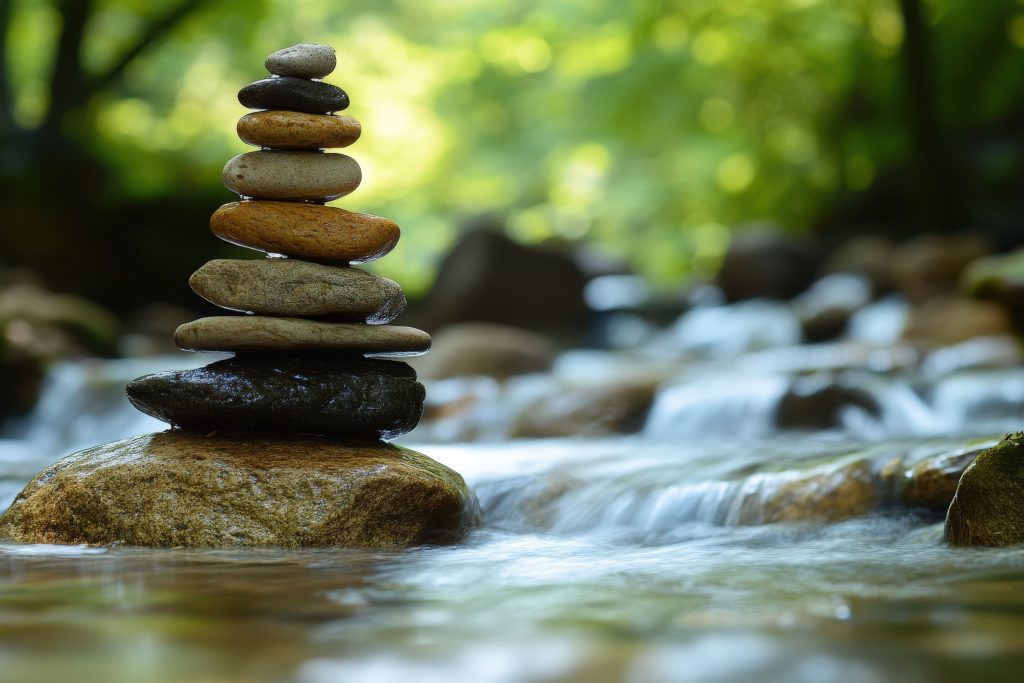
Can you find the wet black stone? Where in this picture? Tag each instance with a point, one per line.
(312, 393)
(293, 94)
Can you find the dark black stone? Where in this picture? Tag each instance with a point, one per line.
(293, 94)
(313, 393)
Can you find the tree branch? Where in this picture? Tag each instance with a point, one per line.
(66, 80)
(938, 194)
(6, 101)
(152, 34)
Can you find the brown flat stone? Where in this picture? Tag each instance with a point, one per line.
(309, 231)
(259, 333)
(291, 287)
(296, 130)
(194, 489)
(301, 175)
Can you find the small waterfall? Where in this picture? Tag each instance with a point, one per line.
(83, 403)
(717, 405)
(633, 486)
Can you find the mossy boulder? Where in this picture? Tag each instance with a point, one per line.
(183, 488)
(988, 508)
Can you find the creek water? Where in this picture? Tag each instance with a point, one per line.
(627, 558)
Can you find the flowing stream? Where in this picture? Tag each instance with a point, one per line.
(638, 558)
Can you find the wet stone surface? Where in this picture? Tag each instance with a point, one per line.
(310, 393)
(182, 488)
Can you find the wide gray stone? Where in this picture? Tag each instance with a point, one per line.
(299, 288)
(278, 174)
(263, 333)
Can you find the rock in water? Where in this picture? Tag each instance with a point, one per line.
(305, 60)
(298, 288)
(293, 94)
(295, 130)
(309, 231)
(308, 393)
(181, 488)
(314, 176)
(259, 333)
(988, 508)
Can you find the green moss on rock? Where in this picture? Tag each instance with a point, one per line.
(184, 488)
(988, 508)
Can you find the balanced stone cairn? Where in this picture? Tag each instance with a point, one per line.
(280, 444)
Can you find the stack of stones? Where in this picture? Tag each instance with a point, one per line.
(281, 444)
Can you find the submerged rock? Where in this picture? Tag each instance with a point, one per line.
(988, 508)
(181, 488)
(830, 494)
(932, 483)
(308, 393)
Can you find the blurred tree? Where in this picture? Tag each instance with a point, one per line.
(650, 127)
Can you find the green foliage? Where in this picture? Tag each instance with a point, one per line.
(650, 127)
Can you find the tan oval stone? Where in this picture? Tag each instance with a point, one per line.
(311, 231)
(307, 175)
(298, 288)
(259, 333)
(296, 130)
(193, 489)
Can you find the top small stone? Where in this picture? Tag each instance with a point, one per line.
(305, 60)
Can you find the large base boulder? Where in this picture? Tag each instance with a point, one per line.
(988, 508)
(183, 488)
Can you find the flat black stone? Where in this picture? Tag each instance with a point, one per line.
(293, 94)
(311, 393)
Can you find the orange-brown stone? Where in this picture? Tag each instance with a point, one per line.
(309, 231)
(296, 130)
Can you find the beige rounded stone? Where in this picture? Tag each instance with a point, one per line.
(182, 488)
(307, 175)
(297, 130)
(298, 288)
(310, 231)
(260, 333)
